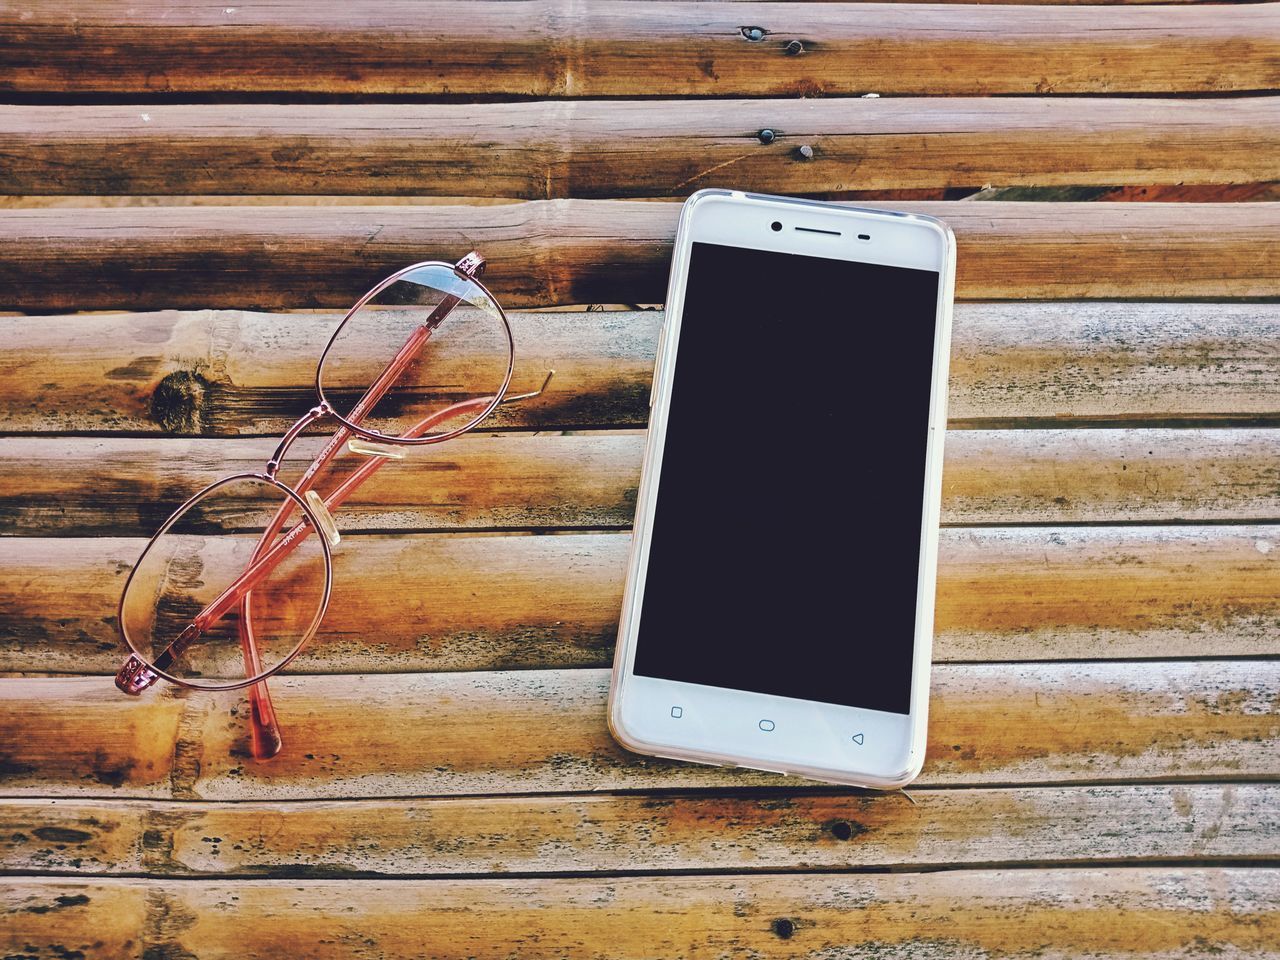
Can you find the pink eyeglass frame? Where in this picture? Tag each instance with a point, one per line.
(137, 674)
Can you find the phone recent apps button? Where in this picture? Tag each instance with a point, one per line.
(677, 712)
(766, 726)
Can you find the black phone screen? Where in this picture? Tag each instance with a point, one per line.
(785, 546)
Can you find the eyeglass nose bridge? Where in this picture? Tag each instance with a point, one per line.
(320, 410)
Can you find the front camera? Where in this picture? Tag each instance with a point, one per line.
(775, 226)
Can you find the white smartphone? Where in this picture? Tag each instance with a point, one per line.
(778, 610)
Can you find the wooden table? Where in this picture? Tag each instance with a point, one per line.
(1103, 758)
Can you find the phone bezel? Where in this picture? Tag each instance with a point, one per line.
(719, 728)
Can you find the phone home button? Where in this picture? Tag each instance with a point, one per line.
(766, 726)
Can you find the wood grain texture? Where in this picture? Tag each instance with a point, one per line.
(1022, 364)
(1176, 193)
(1109, 476)
(603, 834)
(559, 48)
(592, 251)
(100, 486)
(428, 603)
(544, 731)
(460, 603)
(1107, 699)
(1012, 364)
(128, 486)
(219, 372)
(597, 149)
(1158, 913)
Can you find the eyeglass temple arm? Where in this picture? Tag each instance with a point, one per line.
(265, 737)
(265, 563)
(134, 676)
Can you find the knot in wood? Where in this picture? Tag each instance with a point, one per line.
(179, 403)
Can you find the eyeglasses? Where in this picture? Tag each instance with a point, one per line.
(233, 584)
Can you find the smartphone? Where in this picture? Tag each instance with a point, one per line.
(778, 608)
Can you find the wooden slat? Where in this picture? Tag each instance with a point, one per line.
(1023, 364)
(561, 48)
(589, 834)
(505, 602)
(592, 251)
(1015, 364)
(127, 486)
(223, 372)
(551, 149)
(1157, 913)
(1109, 476)
(543, 731)
(1176, 193)
(528, 601)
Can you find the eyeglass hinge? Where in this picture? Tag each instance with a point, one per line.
(472, 265)
(135, 676)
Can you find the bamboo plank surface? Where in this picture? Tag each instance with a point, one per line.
(1012, 364)
(1105, 716)
(592, 251)
(223, 372)
(120, 486)
(1156, 913)
(1110, 476)
(1034, 594)
(542, 731)
(128, 486)
(1008, 913)
(598, 149)
(1024, 364)
(559, 48)
(602, 834)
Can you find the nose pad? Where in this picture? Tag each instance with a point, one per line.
(368, 449)
(135, 676)
(324, 518)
